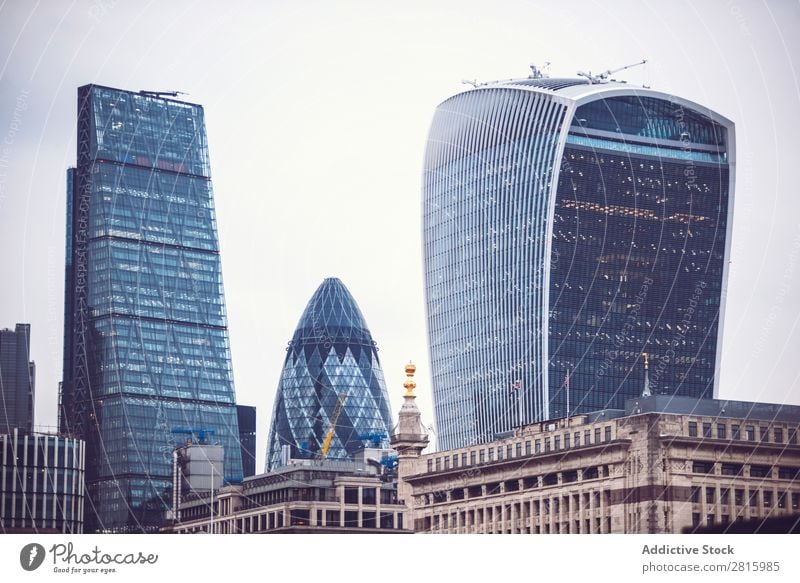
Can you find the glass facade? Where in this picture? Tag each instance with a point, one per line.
(566, 232)
(330, 359)
(17, 379)
(41, 483)
(147, 341)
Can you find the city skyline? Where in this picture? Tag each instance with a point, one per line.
(299, 71)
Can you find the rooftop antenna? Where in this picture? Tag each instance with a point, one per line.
(603, 77)
(539, 72)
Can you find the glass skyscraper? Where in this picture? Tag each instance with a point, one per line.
(146, 342)
(570, 227)
(331, 359)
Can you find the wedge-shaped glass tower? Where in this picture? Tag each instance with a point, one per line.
(569, 228)
(331, 359)
(146, 339)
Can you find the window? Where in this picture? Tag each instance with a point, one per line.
(692, 429)
(763, 434)
(438, 464)
(735, 432)
(597, 435)
(538, 446)
(577, 439)
(739, 497)
(483, 455)
(519, 450)
(527, 448)
(787, 473)
(491, 454)
(547, 444)
(793, 437)
(711, 494)
(707, 430)
(703, 467)
(446, 462)
(721, 427)
(759, 471)
(608, 434)
(587, 437)
(472, 456)
(753, 498)
(695, 497)
(731, 469)
(464, 459)
(368, 495)
(724, 495)
(778, 435)
(749, 433)
(499, 454)
(557, 443)
(350, 495)
(767, 494)
(509, 451)
(566, 441)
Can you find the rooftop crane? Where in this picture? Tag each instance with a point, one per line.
(326, 445)
(162, 93)
(603, 77)
(202, 434)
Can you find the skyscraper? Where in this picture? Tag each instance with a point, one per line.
(569, 227)
(331, 378)
(246, 417)
(17, 379)
(146, 346)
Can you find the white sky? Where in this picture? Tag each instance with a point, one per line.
(317, 114)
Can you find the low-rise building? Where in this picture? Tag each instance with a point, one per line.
(41, 483)
(305, 496)
(661, 465)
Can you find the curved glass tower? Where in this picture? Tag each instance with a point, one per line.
(568, 228)
(330, 359)
(146, 337)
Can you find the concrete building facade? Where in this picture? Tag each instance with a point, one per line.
(662, 465)
(306, 496)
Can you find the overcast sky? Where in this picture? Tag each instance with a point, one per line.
(317, 114)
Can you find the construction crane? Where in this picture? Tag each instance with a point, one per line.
(326, 445)
(200, 433)
(375, 438)
(160, 94)
(603, 77)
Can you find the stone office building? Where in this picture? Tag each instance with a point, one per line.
(306, 496)
(661, 465)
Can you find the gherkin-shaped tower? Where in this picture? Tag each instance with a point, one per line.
(331, 359)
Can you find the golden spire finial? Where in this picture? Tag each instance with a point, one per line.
(646, 361)
(410, 384)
